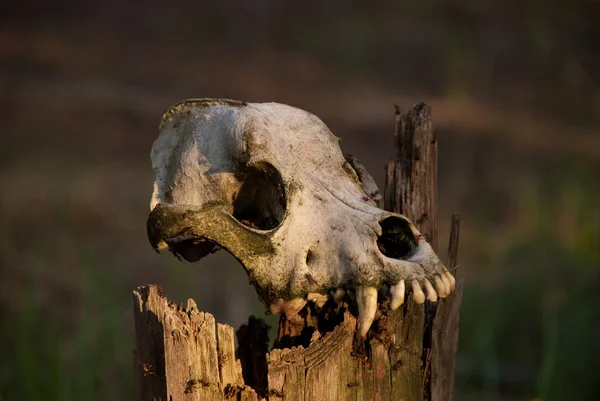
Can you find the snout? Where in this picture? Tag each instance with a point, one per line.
(172, 227)
(164, 224)
(193, 232)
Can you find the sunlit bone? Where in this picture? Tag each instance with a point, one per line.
(269, 183)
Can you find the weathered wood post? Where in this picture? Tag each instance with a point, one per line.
(182, 354)
(411, 190)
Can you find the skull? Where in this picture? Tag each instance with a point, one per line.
(268, 183)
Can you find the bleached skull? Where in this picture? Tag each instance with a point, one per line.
(268, 183)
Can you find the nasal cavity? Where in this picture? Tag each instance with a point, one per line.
(396, 240)
(261, 202)
(310, 257)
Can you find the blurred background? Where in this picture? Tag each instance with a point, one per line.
(514, 88)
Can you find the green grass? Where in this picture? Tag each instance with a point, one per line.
(530, 328)
(45, 359)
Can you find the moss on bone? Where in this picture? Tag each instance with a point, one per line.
(197, 103)
(211, 222)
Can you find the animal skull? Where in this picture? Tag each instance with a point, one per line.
(268, 183)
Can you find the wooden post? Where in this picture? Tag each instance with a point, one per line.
(411, 190)
(181, 353)
(444, 341)
(409, 354)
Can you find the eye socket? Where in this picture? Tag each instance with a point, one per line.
(396, 240)
(261, 201)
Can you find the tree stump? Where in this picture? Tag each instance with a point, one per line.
(183, 354)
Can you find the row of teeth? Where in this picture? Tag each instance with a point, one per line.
(366, 297)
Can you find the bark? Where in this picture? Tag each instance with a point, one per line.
(444, 342)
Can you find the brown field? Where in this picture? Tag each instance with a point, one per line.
(516, 102)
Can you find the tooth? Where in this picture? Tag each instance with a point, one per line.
(161, 246)
(446, 283)
(338, 295)
(291, 308)
(367, 307)
(275, 307)
(440, 287)
(418, 295)
(397, 292)
(451, 279)
(431, 294)
(318, 299)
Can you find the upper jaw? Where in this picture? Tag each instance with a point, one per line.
(165, 226)
(193, 232)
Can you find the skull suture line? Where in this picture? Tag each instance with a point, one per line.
(268, 182)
